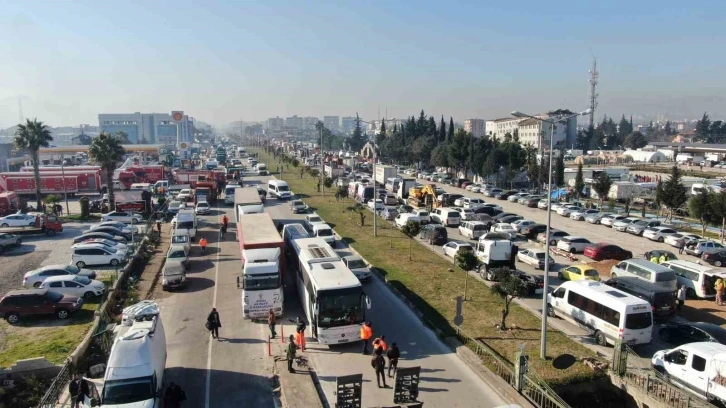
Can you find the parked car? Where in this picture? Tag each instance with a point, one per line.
(35, 277)
(177, 254)
(110, 230)
(452, 248)
(434, 234)
(565, 211)
(683, 333)
(404, 208)
(657, 253)
(582, 214)
(527, 199)
(117, 224)
(9, 240)
(89, 235)
(658, 233)
(423, 216)
(17, 220)
(298, 206)
(504, 227)
(504, 195)
(534, 285)
(95, 254)
(638, 227)
(519, 225)
(173, 276)
(573, 244)
(680, 238)
(202, 208)
(389, 213)
(597, 217)
(486, 209)
(510, 219)
(403, 218)
(311, 220)
(493, 192)
(125, 217)
(715, 257)
(359, 267)
(534, 257)
(699, 247)
(74, 285)
(532, 202)
(19, 303)
(531, 231)
(610, 220)
(623, 224)
(578, 272)
(516, 196)
(600, 251)
(464, 213)
(376, 205)
(555, 236)
(542, 204)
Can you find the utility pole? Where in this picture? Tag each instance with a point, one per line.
(594, 75)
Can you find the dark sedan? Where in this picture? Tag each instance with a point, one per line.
(510, 219)
(434, 234)
(683, 333)
(484, 209)
(534, 284)
(502, 215)
(531, 231)
(505, 195)
(111, 230)
(658, 253)
(715, 257)
(532, 202)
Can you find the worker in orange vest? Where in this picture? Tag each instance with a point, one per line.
(366, 332)
(203, 244)
(380, 343)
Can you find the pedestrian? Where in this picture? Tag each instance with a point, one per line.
(271, 321)
(379, 364)
(74, 388)
(300, 332)
(380, 343)
(213, 323)
(158, 226)
(681, 299)
(203, 244)
(222, 231)
(291, 352)
(174, 396)
(225, 220)
(719, 291)
(681, 245)
(365, 334)
(393, 355)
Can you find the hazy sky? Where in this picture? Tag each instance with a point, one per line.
(230, 60)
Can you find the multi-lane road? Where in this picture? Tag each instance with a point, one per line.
(236, 371)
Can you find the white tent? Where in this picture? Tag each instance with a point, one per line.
(645, 157)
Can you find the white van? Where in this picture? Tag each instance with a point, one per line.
(278, 189)
(140, 186)
(135, 368)
(609, 313)
(261, 169)
(325, 232)
(403, 219)
(161, 183)
(446, 216)
(647, 271)
(186, 219)
(698, 367)
(698, 279)
(473, 229)
(392, 184)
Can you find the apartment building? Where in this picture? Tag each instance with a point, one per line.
(475, 126)
(150, 128)
(332, 123)
(348, 124)
(276, 123)
(294, 122)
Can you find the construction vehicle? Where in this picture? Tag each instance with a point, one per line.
(423, 197)
(47, 224)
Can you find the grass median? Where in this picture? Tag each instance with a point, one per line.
(428, 283)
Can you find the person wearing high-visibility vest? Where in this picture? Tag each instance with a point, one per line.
(654, 259)
(366, 332)
(380, 343)
(203, 244)
(663, 258)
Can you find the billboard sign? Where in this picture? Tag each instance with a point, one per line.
(131, 206)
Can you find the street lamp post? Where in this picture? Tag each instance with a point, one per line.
(552, 122)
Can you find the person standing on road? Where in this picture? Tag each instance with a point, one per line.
(380, 343)
(225, 221)
(291, 353)
(681, 245)
(203, 244)
(393, 355)
(271, 321)
(222, 231)
(366, 332)
(74, 388)
(681, 299)
(379, 364)
(214, 323)
(300, 332)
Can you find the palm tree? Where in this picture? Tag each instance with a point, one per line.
(106, 151)
(31, 136)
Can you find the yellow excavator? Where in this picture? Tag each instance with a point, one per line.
(423, 197)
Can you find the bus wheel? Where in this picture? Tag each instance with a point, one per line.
(600, 339)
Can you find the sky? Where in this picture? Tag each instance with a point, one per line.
(223, 61)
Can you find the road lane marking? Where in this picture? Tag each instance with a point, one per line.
(209, 349)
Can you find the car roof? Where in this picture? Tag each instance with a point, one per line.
(86, 244)
(176, 247)
(61, 278)
(56, 266)
(571, 237)
(24, 292)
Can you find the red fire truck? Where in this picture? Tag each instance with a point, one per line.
(23, 183)
(192, 176)
(140, 174)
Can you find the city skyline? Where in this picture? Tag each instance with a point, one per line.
(442, 61)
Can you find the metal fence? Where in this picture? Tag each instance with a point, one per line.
(57, 387)
(537, 390)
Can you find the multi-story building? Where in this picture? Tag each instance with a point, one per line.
(150, 128)
(348, 124)
(294, 122)
(332, 123)
(475, 126)
(534, 132)
(309, 122)
(274, 124)
(498, 128)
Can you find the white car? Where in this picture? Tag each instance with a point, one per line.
(680, 238)
(515, 197)
(17, 220)
(468, 202)
(423, 216)
(35, 277)
(404, 218)
(203, 207)
(466, 213)
(556, 206)
(582, 214)
(503, 227)
(452, 248)
(565, 211)
(519, 224)
(177, 254)
(123, 216)
(312, 220)
(658, 233)
(542, 204)
(186, 194)
(622, 225)
(182, 238)
(80, 286)
(609, 221)
(358, 266)
(534, 257)
(376, 205)
(573, 244)
(95, 254)
(109, 243)
(117, 224)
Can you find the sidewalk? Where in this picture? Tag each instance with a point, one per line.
(296, 389)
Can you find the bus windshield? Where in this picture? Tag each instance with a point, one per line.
(261, 282)
(340, 307)
(118, 392)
